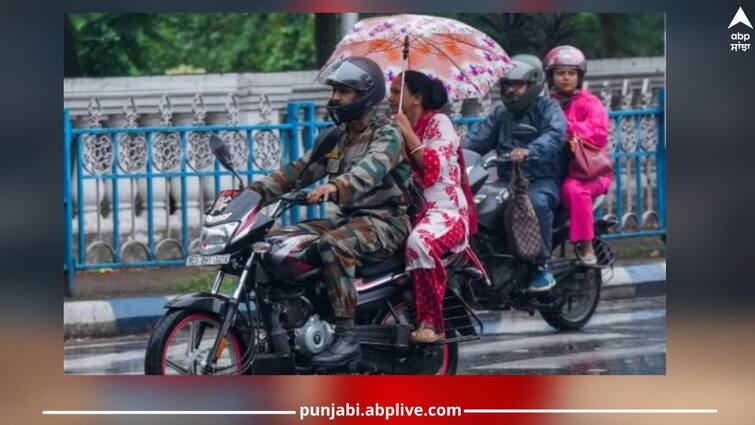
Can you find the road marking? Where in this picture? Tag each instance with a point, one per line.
(140, 341)
(514, 345)
(560, 362)
(90, 363)
(509, 325)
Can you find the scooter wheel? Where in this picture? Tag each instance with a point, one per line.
(579, 298)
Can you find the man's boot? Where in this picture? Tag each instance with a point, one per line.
(344, 350)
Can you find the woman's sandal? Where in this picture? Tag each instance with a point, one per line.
(425, 335)
(586, 260)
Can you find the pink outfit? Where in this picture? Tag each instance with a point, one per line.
(587, 118)
(577, 196)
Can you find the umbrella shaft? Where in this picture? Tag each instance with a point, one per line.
(401, 95)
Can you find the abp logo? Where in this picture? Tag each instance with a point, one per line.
(741, 38)
(740, 18)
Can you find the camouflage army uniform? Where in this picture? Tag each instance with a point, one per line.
(372, 223)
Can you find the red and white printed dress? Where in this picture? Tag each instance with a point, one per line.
(444, 223)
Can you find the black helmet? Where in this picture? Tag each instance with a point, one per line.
(526, 70)
(362, 75)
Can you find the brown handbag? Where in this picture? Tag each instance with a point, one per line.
(589, 161)
(522, 226)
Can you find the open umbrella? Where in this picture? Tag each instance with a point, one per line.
(467, 61)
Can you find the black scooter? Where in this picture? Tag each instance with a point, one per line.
(567, 306)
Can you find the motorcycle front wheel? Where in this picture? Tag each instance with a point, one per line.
(578, 298)
(182, 341)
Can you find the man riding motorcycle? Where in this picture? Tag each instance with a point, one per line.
(523, 103)
(364, 172)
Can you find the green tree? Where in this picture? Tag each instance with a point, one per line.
(143, 44)
(112, 44)
(232, 42)
(326, 30)
(608, 39)
(116, 43)
(599, 35)
(515, 32)
(641, 34)
(71, 66)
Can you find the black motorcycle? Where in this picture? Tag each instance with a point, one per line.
(567, 306)
(279, 315)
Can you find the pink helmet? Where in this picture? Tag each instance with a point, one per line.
(565, 56)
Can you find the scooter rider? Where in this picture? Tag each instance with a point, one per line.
(524, 103)
(362, 171)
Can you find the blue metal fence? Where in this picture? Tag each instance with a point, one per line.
(644, 188)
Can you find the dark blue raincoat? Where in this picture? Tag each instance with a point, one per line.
(547, 166)
(549, 157)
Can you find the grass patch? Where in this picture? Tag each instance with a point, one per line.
(203, 283)
(650, 247)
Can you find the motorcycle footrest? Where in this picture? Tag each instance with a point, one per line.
(273, 364)
(472, 273)
(453, 339)
(384, 335)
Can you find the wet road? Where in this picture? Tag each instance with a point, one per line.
(624, 337)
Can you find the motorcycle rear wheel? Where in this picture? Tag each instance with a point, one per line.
(449, 353)
(170, 353)
(580, 296)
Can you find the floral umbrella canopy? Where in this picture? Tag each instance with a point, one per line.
(467, 61)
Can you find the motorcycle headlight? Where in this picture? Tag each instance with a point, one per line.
(214, 239)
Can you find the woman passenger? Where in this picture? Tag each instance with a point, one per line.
(447, 218)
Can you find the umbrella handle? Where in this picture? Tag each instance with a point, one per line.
(403, 69)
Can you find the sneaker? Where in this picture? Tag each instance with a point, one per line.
(542, 280)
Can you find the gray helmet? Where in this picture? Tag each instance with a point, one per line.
(529, 59)
(529, 69)
(362, 75)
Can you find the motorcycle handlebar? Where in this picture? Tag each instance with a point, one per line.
(503, 159)
(298, 197)
(288, 200)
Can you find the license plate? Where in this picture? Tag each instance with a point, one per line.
(208, 260)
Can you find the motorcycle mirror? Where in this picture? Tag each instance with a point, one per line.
(522, 129)
(221, 152)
